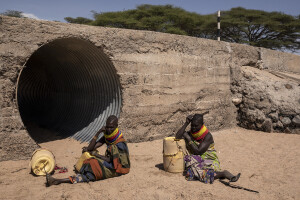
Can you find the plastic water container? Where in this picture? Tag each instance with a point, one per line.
(42, 160)
(173, 154)
(84, 156)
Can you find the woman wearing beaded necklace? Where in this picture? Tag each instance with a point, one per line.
(202, 163)
(114, 163)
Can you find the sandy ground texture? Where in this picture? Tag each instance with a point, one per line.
(269, 163)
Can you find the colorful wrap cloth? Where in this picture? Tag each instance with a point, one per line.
(200, 134)
(113, 137)
(202, 167)
(197, 169)
(94, 169)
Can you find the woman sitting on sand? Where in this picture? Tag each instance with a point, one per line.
(114, 163)
(203, 163)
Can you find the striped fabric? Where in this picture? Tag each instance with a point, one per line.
(114, 137)
(94, 169)
(200, 134)
(120, 157)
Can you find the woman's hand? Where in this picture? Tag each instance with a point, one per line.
(100, 131)
(189, 119)
(84, 149)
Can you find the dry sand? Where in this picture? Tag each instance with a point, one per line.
(269, 163)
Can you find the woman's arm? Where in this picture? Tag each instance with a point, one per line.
(181, 131)
(107, 159)
(202, 147)
(93, 144)
(99, 143)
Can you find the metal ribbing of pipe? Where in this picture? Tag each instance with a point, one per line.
(68, 87)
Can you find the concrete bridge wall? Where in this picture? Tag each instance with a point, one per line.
(163, 77)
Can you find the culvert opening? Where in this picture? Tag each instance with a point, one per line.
(67, 88)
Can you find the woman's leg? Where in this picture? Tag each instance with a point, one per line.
(54, 181)
(226, 174)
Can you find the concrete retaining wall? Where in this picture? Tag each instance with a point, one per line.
(163, 77)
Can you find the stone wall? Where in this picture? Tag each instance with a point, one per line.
(163, 77)
(267, 102)
(266, 92)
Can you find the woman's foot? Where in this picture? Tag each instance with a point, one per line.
(235, 178)
(51, 181)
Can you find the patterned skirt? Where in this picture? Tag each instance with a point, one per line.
(202, 167)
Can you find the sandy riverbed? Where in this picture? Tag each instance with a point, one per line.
(269, 163)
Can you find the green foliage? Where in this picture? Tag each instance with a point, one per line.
(272, 30)
(167, 19)
(78, 20)
(254, 27)
(13, 13)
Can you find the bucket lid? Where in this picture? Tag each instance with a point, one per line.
(41, 149)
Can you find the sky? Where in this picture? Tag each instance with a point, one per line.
(59, 9)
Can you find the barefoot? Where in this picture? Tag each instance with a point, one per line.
(235, 178)
(50, 180)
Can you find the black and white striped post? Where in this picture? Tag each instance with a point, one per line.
(219, 25)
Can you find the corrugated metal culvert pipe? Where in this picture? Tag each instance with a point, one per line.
(67, 88)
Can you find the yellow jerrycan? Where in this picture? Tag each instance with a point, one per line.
(173, 154)
(83, 157)
(42, 160)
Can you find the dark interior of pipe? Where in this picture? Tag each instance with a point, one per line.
(67, 88)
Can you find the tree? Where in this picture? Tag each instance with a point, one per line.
(78, 20)
(272, 30)
(167, 19)
(13, 13)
